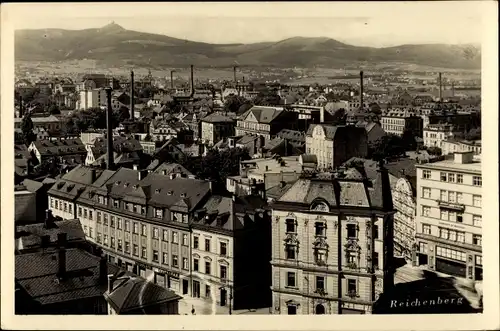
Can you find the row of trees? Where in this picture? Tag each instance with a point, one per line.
(93, 118)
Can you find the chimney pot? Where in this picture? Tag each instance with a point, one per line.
(110, 283)
(61, 263)
(103, 271)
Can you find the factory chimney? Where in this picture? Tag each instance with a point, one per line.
(172, 79)
(361, 89)
(440, 89)
(192, 81)
(132, 95)
(234, 75)
(452, 89)
(109, 131)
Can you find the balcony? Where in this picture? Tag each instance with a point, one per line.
(451, 205)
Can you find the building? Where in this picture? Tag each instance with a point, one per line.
(334, 145)
(374, 131)
(397, 122)
(92, 98)
(48, 123)
(225, 271)
(332, 246)
(450, 146)
(64, 148)
(435, 134)
(266, 121)
(404, 219)
(449, 216)
(215, 127)
(61, 282)
(30, 201)
(131, 295)
(126, 149)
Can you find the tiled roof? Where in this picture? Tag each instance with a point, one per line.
(60, 147)
(263, 114)
(36, 273)
(292, 135)
(135, 293)
(170, 168)
(30, 235)
(217, 118)
(32, 185)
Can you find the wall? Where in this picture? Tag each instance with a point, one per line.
(25, 207)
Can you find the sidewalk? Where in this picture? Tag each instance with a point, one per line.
(202, 307)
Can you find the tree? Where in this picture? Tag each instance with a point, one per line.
(340, 116)
(387, 147)
(408, 140)
(233, 103)
(53, 109)
(434, 151)
(267, 98)
(50, 167)
(244, 107)
(27, 129)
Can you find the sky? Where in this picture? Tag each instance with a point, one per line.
(363, 24)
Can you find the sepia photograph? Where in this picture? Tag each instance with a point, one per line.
(249, 159)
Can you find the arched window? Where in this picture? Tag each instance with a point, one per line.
(320, 309)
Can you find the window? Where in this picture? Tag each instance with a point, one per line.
(85, 213)
(155, 256)
(120, 244)
(127, 247)
(476, 220)
(422, 248)
(98, 217)
(79, 208)
(426, 192)
(460, 179)
(127, 225)
(320, 283)
(65, 206)
(165, 235)
(460, 217)
(461, 237)
(479, 260)
(196, 264)
(351, 257)
(351, 230)
(155, 233)
(290, 252)
(112, 242)
(175, 237)
(450, 253)
(223, 249)
(426, 229)
(195, 242)
(476, 200)
(320, 256)
(443, 176)
(459, 197)
(207, 245)
(136, 250)
(185, 265)
(426, 174)
(158, 213)
(112, 222)
(320, 229)
(57, 204)
(105, 219)
(165, 258)
(444, 215)
(144, 230)
(185, 239)
(477, 181)
(290, 226)
(52, 206)
(443, 233)
(443, 195)
(175, 261)
(426, 210)
(290, 279)
(452, 236)
(351, 287)
(208, 293)
(452, 197)
(375, 260)
(136, 228)
(90, 232)
(223, 272)
(451, 177)
(375, 231)
(91, 215)
(144, 253)
(207, 267)
(477, 239)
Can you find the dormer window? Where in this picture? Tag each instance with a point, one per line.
(170, 192)
(135, 187)
(183, 195)
(157, 191)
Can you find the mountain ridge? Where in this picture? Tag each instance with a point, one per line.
(112, 42)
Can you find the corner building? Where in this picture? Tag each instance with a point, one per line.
(332, 245)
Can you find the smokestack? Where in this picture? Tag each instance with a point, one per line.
(452, 89)
(132, 95)
(192, 81)
(109, 132)
(172, 79)
(21, 110)
(440, 89)
(61, 272)
(234, 74)
(361, 89)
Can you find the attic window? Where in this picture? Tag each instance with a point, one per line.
(126, 184)
(170, 192)
(360, 202)
(183, 195)
(61, 184)
(117, 183)
(157, 190)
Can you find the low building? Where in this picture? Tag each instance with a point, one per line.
(397, 122)
(449, 213)
(435, 134)
(374, 131)
(30, 201)
(48, 123)
(332, 246)
(131, 295)
(215, 127)
(333, 145)
(61, 282)
(450, 146)
(46, 149)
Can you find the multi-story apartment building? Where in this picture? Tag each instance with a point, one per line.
(404, 219)
(215, 127)
(92, 98)
(449, 216)
(266, 122)
(334, 145)
(435, 134)
(332, 246)
(397, 122)
(148, 223)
